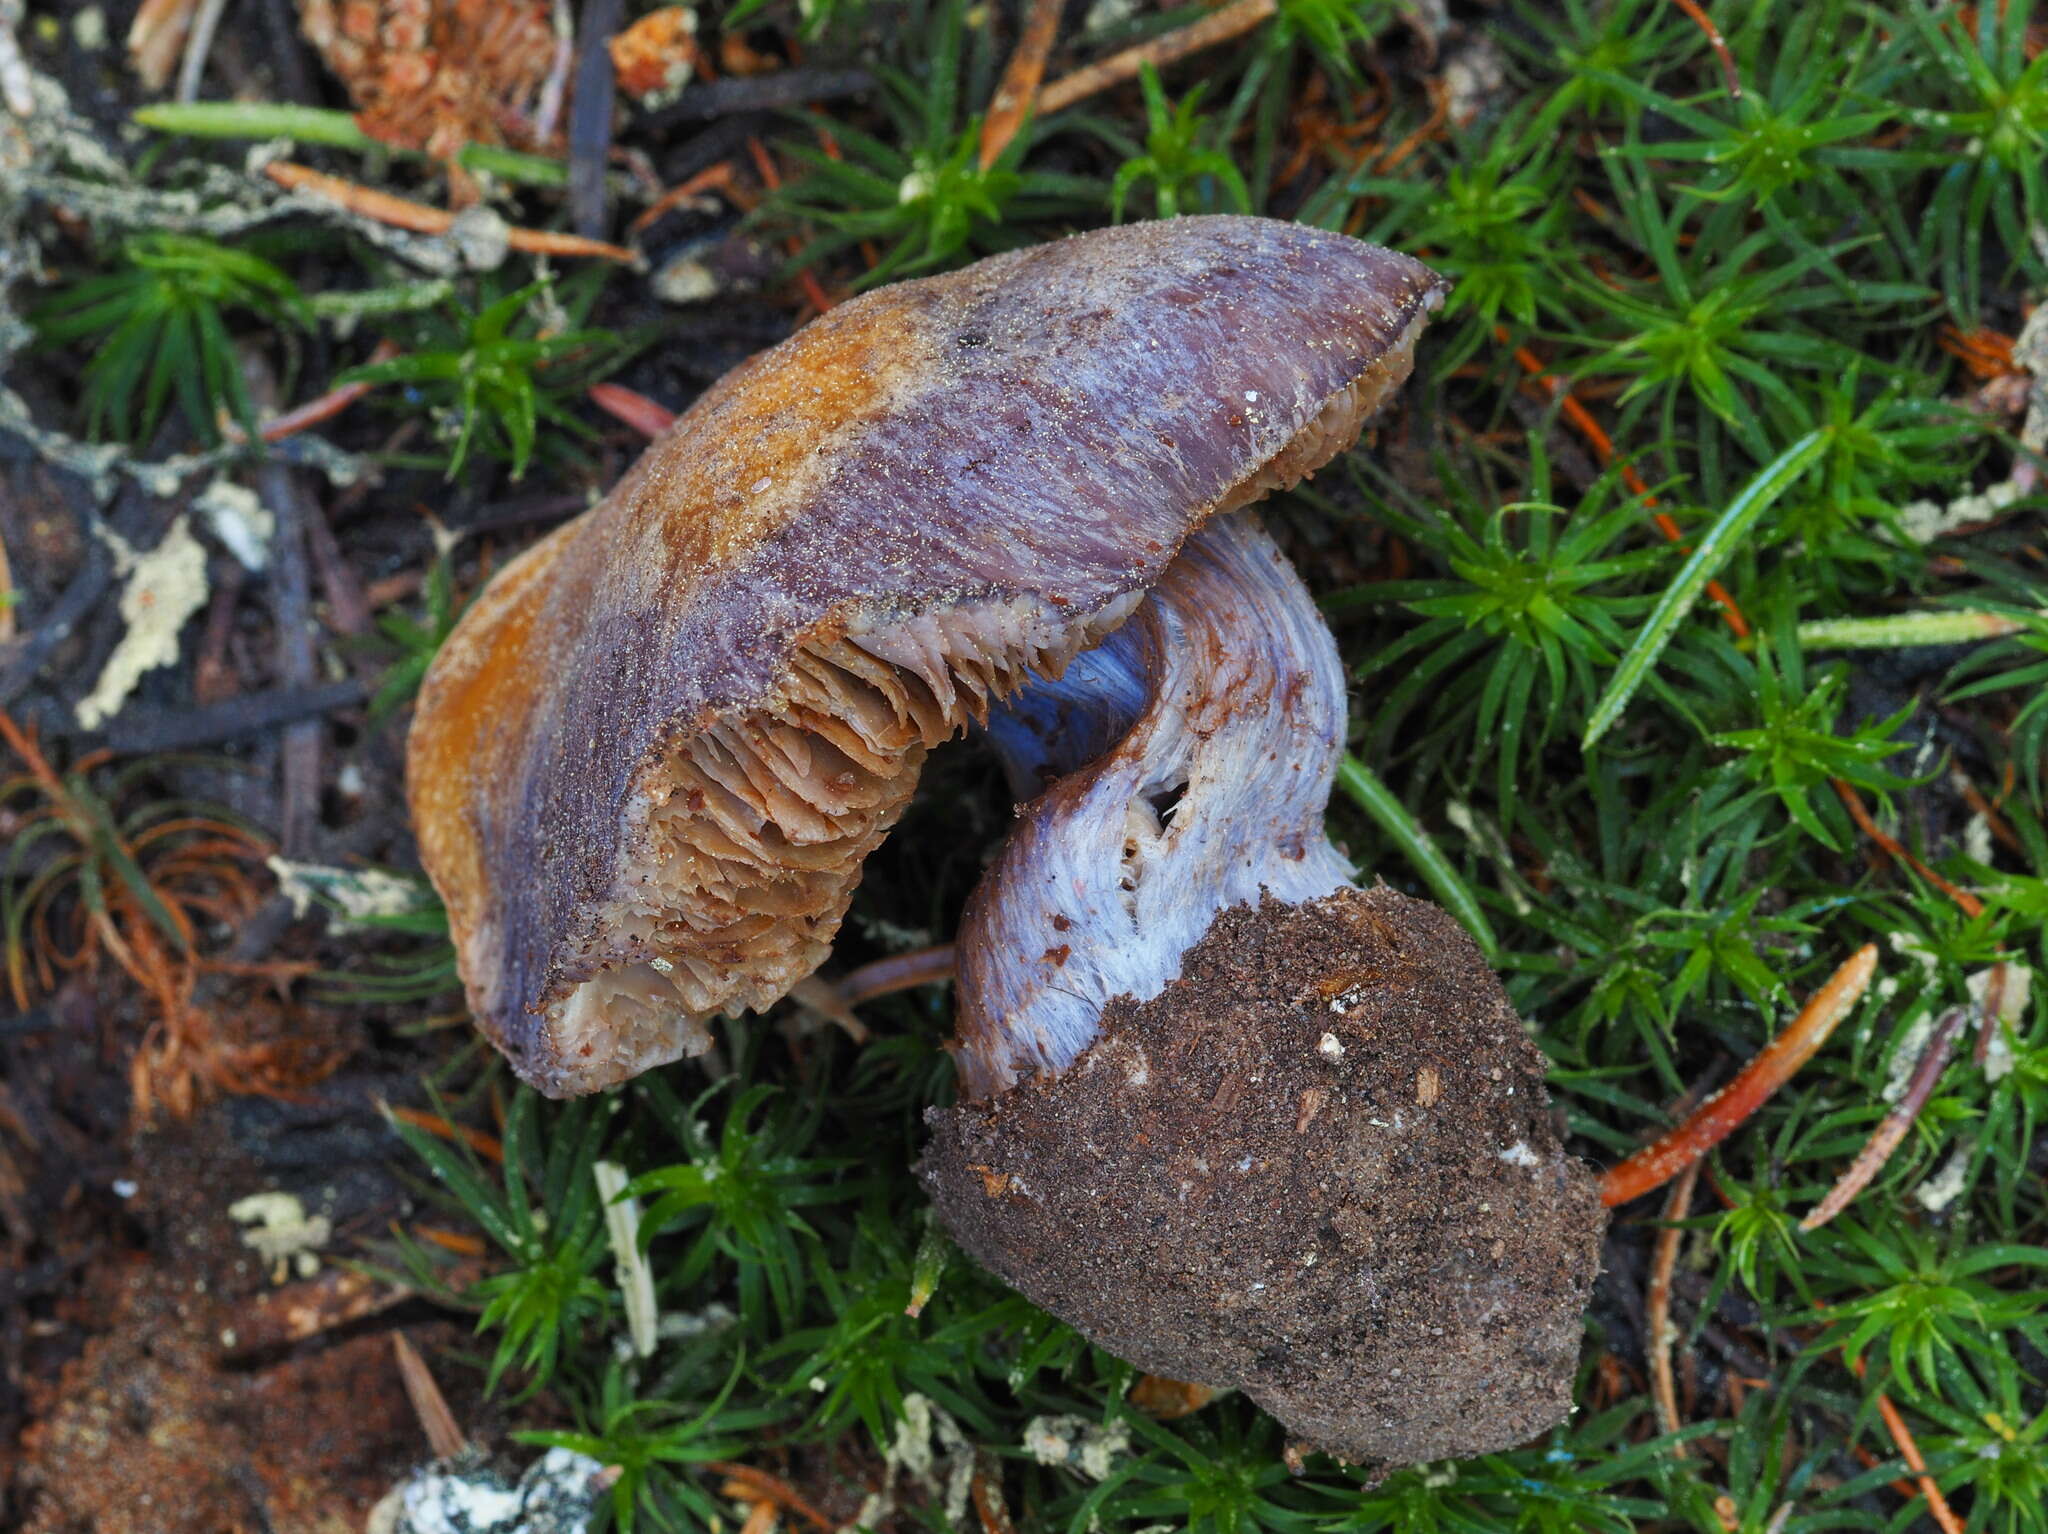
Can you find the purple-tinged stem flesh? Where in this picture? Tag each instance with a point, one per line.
(1234, 697)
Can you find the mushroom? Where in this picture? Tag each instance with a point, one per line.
(1232, 1116)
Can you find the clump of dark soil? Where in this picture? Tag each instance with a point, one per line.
(1320, 1167)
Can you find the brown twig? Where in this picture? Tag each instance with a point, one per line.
(1773, 1065)
(1715, 41)
(403, 213)
(1018, 89)
(1657, 1302)
(1891, 1129)
(288, 498)
(773, 1488)
(1233, 20)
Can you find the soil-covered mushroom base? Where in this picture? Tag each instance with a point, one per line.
(1320, 1167)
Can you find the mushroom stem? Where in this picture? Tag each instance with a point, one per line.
(1213, 793)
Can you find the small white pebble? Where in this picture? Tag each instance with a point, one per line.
(1329, 1047)
(126, 1187)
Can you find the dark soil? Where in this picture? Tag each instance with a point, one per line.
(170, 1377)
(1320, 1167)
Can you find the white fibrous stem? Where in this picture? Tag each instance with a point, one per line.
(1191, 756)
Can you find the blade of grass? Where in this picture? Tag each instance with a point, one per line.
(1903, 630)
(1392, 817)
(1756, 498)
(335, 129)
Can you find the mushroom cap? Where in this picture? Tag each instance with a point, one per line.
(647, 764)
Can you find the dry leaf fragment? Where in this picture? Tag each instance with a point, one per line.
(655, 57)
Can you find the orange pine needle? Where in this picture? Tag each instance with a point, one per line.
(1966, 902)
(460, 1243)
(1773, 1065)
(316, 411)
(1603, 449)
(403, 213)
(771, 178)
(720, 176)
(773, 1488)
(648, 417)
(1909, 1451)
(483, 1144)
(1715, 41)
(1432, 127)
(1984, 353)
(1018, 88)
(1872, 1460)
(1219, 26)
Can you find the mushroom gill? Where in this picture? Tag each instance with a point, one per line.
(753, 830)
(648, 763)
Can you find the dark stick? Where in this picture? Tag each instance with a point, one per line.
(139, 730)
(25, 657)
(287, 56)
(291, 598)
(347, 610)
(723, 139)
(590, 117)
(757, 93)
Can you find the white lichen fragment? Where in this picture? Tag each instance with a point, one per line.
(1946, 1185)
(1925, 521)
(164, 588)
(556, 1495)
(2013, 990)
(282, 1232)
(239, 519)
(1077, 1444)
(635, 1277)
(1906, 1057)
(358, 895)
(1519, 1154)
